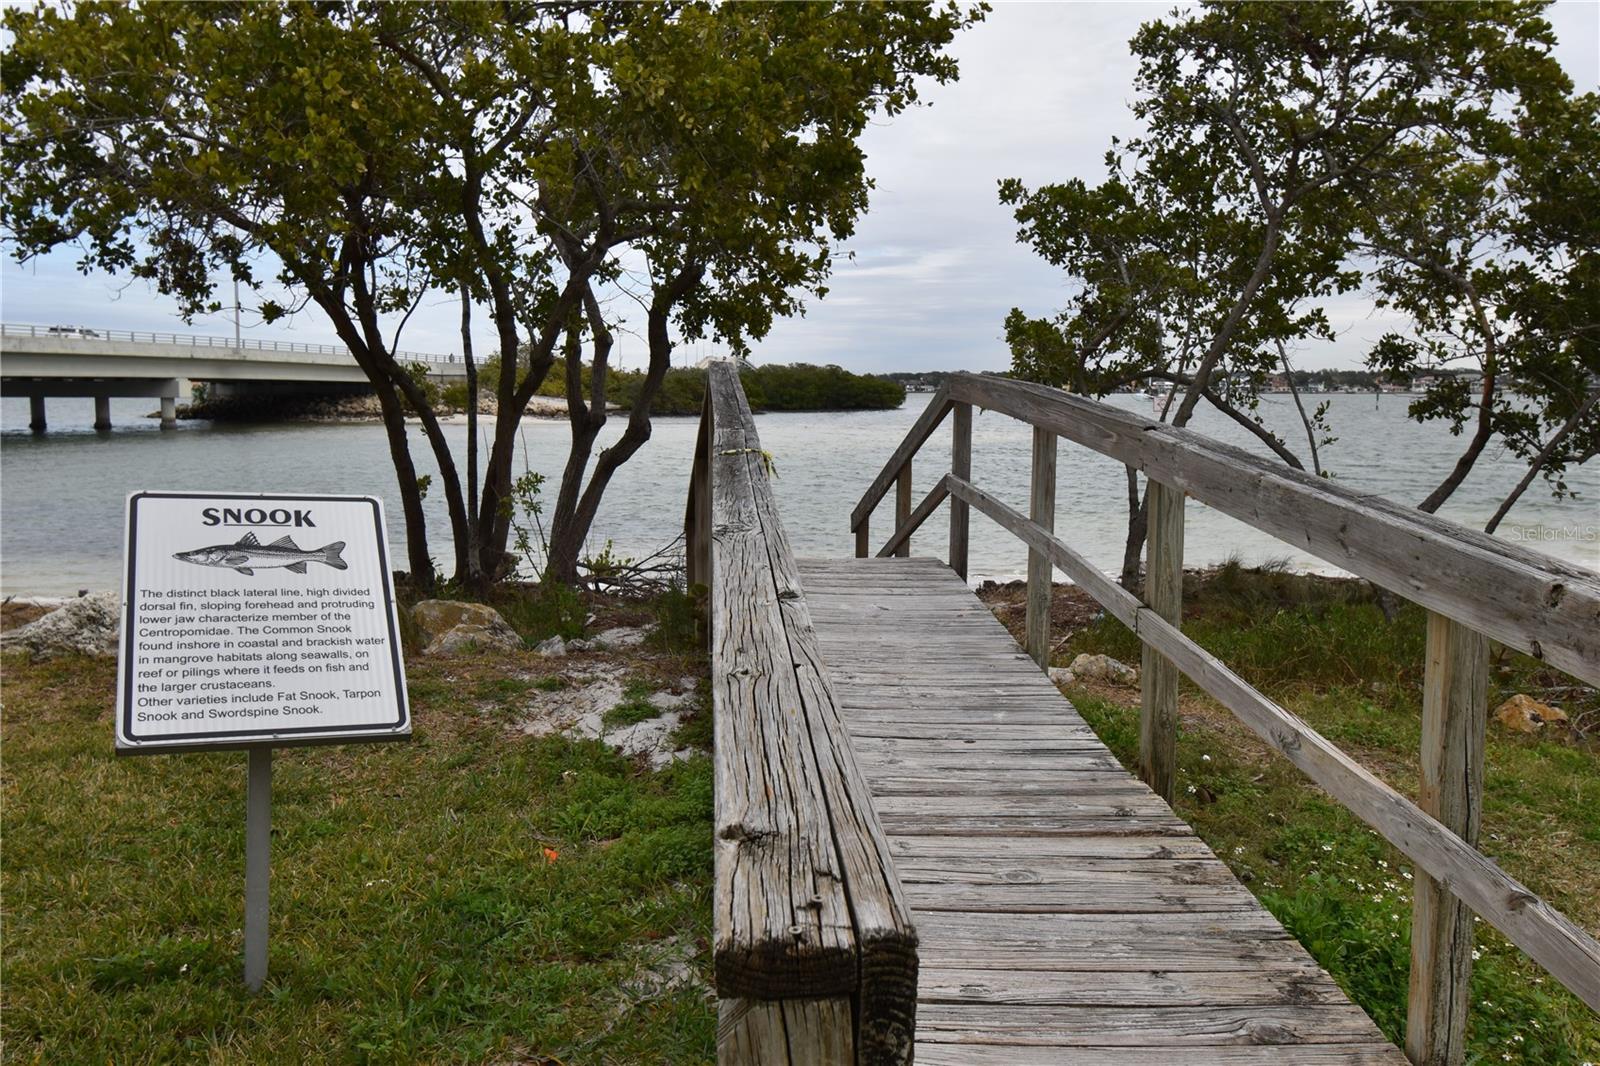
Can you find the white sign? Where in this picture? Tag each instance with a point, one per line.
(252, 619)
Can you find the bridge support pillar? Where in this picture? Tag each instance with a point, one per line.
(36, 420)
(169, 412)
(102, 412)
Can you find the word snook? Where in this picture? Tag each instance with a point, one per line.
(254, 620)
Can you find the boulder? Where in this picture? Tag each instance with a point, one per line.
(450, 627)
(617, 639)
(88, 625)
(555, 647)
(1103, 668)
(1060, 675)
(1524, 714)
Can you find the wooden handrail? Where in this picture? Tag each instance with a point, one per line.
(811, 930)
(1522, 598)
(916, 436)
(1470, 583)
(1548, 936)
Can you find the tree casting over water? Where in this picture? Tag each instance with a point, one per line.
(551, 162)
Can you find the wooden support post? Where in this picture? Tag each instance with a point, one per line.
(864, 539)
(902, 507)
(961, 467)
(1455, 710)
(1042, 510)
(1158, 678)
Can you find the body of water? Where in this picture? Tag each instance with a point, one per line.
(62, 495)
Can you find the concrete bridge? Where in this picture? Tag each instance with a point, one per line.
(46, 361)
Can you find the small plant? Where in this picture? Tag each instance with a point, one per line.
(525, 510)
(634, 708)
(678, 618)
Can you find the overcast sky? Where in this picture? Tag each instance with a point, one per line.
(1043, 89)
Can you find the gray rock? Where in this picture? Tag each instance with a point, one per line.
(618, 638)
(88, 625)
(451, 627)
(1104, 668)
(1060, 675)
(555, 647)
(466, 638)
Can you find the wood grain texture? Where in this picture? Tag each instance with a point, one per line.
(1042, 510)
(1158, 678)
(1552, 939)
(902, 511)
(806, 904)
(1064, 914)
(916, 436)
(1455, 715)
(961, 467)
(1527, 599)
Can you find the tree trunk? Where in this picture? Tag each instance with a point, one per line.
(1480, 440)
(566, 542)
(1138, 525)
(1539, 460)
(473, 578)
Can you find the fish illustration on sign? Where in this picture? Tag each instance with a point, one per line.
(248, 555)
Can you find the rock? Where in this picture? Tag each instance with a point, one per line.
(580, 712)
(88, 625)
(618, 638)
(1061, 675)
(1103, 668)
(450, 627)
(554, 647)
(1524, 714)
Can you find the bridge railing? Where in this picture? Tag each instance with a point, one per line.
(815, 954)
(194, 340)
(1473, 586)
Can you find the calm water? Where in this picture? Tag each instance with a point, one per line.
(62, 495)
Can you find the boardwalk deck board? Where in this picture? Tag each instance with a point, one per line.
(1065, 914)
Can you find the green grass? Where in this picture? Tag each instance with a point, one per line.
(634, 708)
(416, 912)
(1328, 652)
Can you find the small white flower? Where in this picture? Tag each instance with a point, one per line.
(1205, 758)
(1517, 1037)
(1406, 874)
(1192, 790)
(1476, 954)
(1238, 850)
(1383, 864)
(1327, 847)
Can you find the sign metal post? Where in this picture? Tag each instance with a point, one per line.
(257, 866)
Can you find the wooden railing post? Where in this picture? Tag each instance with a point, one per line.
(902, 507)
(864, 539)
(961, 467)
(1158, 677)
(1042, 510)
(1455, 708)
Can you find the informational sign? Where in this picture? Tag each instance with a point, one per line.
(252, 619)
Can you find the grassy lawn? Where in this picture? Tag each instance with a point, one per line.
(1332, 653)
(473, 895)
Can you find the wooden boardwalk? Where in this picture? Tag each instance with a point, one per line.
(1066, 915)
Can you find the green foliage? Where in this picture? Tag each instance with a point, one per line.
(1285, 142)
(679, 618)
(522, 154)
(634, 708)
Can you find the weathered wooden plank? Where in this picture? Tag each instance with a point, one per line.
(1031, 871)
(960, 466)
(1529, 600)
(1158, 678)
(1138, 895)
(1042, 509)
(900, 544)
(1178, 847)
(921, 430)
(807, 906)
(1455, 707)
(1288, 983)
(902, 509)
(1375, 1053)
(1550, 937)
(796, 1032)
(1166, 1026)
